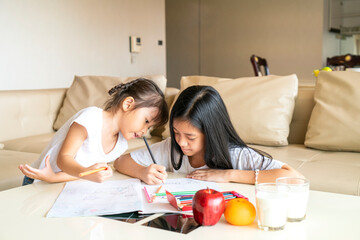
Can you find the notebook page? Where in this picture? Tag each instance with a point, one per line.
(86, 198)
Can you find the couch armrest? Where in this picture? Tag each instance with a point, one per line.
(28, 112)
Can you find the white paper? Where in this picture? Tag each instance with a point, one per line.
(86, 198)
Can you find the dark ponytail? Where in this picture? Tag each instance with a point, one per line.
(145, 93)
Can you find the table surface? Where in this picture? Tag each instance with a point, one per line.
(23, 210)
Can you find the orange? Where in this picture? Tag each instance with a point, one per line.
(239, 212)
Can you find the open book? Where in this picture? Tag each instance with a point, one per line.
(85, 198)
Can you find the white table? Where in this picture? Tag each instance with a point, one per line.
(23, 210)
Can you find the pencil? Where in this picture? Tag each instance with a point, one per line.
(176, 193)
(92, 171)
(157, 191)
(152, 156)
(186, 208)
(147, 145)
(147, 195)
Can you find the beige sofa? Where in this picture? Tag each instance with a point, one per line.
(27, 126)
(29, 116)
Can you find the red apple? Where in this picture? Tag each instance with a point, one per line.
(208, 205)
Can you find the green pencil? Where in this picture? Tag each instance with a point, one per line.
(176, 193)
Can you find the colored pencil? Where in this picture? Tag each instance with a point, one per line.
(92, 171)
(187, 197)
(147, 195)
(157, 191)
(189, 194)
(186, 208)
(184, 202)
(188, 200)
(176, 193)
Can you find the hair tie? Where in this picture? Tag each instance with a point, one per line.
(121, 86)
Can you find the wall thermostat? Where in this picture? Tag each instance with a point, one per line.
(135, 44)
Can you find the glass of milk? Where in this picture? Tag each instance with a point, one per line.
(271, 206)
(298, 197)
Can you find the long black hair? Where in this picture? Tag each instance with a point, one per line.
(204, 108)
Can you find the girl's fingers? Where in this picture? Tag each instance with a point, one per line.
(154, 177)
(160, 168)
(160, 176)
(108, 172)
(31, 169)
(156, 180)
(200, 175)
(154, 174)
(159, 172)
(47, 161)
(21, 167)
(27, 173)
(165, 174)
(99, 176)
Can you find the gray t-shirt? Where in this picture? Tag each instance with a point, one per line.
(241, 158)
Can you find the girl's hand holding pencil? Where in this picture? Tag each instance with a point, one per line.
(153, 174)
(98, 172)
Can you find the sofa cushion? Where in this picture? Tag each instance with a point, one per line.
(260, 108)
(304, 105)
(10, 175)
(336, 172)
(32, 144)
(335, 120)
(88, 91)
(28, 112)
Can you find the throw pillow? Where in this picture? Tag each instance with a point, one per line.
(335, 120)
(260, 108)
(87, 91)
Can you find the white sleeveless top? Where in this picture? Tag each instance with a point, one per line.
(91, 151)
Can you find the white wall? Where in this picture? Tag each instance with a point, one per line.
(44, 43)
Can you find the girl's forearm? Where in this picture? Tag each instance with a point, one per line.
(62, 177)
(248, 176)
(240, 176)
(126, 165)
(69, 166)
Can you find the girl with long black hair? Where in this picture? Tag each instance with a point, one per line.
(203, 144)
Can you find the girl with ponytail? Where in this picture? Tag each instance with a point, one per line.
(94, 136)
